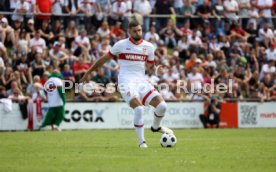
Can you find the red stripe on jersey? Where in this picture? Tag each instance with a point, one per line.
(133, 57)
(132, 41)
(151, 62)
(111, 54)
(147, 95)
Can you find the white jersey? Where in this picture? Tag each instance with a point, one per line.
(132, 58)
(51, 86)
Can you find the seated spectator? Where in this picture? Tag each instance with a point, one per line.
(167, 93)
(152, 36)
(56, 54)
(38, 65)
(2, 66)
(57, 30)
(268, 68)
(71, 32)
(30, 29)
(271, 52)
(46, 32)
(182, 47)
(266, 34)
(238, 34)
(79, 68)
(44, 78)
(81, 43)
(268, 86)
(67, 73)
(117, 33)
(100, 77)
(23, 65)
(18, 97)
(38, 44)
(195, 80)
(3, 93)
(104, 31)
(171, 76)
(22, 43)
(7, 33)
(169, 33)
(14, 86)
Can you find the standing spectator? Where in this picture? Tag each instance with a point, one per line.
(57, 6)
(143, 8)
(244, 7)
(42, 7)
(217, 12)
(39, 93)
(89, 9)
(264, 7)
(188, 11)
(7, 33)
(231, 8)
(163, 7)
(119, 8)
(22, 7)
(71, 7)
(178, 6)
(204, 11)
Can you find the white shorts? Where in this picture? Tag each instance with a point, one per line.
(143, 90)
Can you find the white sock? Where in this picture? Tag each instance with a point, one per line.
(159, 113)
(138, 123)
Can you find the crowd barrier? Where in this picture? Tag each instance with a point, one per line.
(87, 115)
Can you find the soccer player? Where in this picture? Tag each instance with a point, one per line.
(133, 53)
(56, 101)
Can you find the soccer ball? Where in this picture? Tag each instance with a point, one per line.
(168, 140)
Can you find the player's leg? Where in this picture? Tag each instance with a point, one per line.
(130, 95)
(160, 109)
(138, 108)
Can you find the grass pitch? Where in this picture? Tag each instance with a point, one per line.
(117, 150)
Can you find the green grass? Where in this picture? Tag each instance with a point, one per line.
(116, 150)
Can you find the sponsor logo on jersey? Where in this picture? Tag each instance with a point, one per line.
(133, 57)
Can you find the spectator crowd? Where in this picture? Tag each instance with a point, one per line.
(200, 41)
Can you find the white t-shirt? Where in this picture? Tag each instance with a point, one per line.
(243, 12)
(194, 41)
(13, 3)
(119, 9)
(195, 80)
(149, 35)
(57, 6)
(40, 44)
(54, 99)
(182, 45)
(268, 33)
(132, 58)
(87, 7)
(271, 55)
(172, 77)
(266, 12)
(31, 5)
(19, 5)
(267, 69)
(142, 7)
(230, 5)
(103, 33)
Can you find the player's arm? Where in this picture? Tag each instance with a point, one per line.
(97, 64)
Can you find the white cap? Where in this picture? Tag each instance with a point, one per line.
(198, 61)
(31, 21)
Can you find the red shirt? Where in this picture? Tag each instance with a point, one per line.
(117, 32)
(45, 6)
(78, 67)
(239, 31)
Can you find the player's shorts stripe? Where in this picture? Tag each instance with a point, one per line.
(147, 95)
(111, 54)
(151, 62)
(138, 126)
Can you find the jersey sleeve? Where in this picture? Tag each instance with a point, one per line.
(151, 55)
(115, 50)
